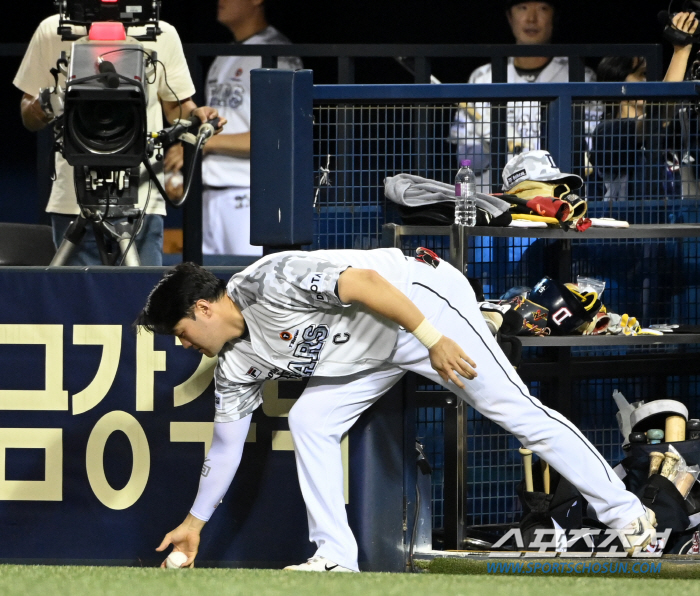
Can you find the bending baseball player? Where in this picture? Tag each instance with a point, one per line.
(355, 322)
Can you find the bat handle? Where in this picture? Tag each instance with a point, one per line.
(527, 464)
(545, 476)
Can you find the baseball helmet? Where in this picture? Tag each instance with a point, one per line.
(534, 316)
(568, 310)
(521, 291)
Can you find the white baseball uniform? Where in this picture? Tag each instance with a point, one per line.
(226, 198)
(298, 327)
(471, 130)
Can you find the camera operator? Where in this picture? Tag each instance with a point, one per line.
(169, 93)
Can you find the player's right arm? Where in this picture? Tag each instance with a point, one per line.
(376, 293)
(220, 467)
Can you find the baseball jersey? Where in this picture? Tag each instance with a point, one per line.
(297, 325)
(472, 123)
(45, 49)
(228, 90)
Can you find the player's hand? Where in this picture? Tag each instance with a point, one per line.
(184, 538)
(449, 360)
(686, 22)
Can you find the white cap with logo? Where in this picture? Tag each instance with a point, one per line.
(539, 166)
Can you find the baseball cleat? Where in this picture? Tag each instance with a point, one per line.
(320, 564)
(640, 533)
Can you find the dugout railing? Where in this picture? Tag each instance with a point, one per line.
(362, 134)
(348, 64)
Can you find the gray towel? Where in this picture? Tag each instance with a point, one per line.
(414, 191)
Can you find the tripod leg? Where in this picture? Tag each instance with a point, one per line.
(123, 232)
(71, 239)
(131, 258)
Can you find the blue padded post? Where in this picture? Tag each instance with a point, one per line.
(281, 158)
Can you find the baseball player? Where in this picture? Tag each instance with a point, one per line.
(532, 22)
(226, 164)
(354, 322)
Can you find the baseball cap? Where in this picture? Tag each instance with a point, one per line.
(539, 166)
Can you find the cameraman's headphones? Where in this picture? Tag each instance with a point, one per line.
(673, 35)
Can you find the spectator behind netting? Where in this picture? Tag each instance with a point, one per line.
(630, 159)
(532, 23)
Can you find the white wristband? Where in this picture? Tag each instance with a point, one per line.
(427, 334)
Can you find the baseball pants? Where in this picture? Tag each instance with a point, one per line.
(330, 406)
(226, 222)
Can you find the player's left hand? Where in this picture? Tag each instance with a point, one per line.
(449, 360)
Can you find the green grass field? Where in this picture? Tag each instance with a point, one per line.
(33, 580)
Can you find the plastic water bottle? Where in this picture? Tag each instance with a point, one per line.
(465, 195)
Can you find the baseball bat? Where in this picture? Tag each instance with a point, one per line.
(656, 458)
(684, 482)
(669, 466)
(527, 463)
(545, 476)
(675, 429)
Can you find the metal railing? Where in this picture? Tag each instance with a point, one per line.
(418, 58)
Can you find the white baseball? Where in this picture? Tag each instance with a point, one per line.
(175, 559)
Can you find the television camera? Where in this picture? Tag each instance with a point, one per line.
(100, 124)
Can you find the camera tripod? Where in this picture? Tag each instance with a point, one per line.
(118, 230)
(107, 200)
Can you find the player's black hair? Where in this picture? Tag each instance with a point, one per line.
(613, 69)
(175, 295)
(511, 3)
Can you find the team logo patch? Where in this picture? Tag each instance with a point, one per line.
(285, 336)
(516, 176)
(239, 72)
(254, 372)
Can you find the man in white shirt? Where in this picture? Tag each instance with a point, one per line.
(532, 23)
(172, 97)
(226, 164)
